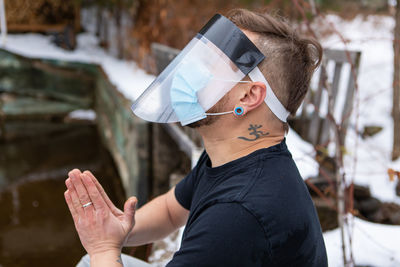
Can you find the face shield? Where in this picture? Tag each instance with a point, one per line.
(213, 62)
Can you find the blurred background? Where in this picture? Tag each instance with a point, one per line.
(69, 71)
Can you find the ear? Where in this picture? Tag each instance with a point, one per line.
(254, 96)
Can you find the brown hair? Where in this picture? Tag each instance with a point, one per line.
(290, 60)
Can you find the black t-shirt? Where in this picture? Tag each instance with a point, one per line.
(253, 211)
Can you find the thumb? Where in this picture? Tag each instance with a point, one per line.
(129, 211)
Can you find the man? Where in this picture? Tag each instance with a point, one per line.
(244, 204)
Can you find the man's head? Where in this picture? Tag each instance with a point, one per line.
(289, 63)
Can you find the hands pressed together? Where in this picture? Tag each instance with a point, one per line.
(102, 227)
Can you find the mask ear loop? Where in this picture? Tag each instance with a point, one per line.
(238, 111)
(219, 113)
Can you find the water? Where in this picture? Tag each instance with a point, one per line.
(36, 228)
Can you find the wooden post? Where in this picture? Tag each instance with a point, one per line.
(396, 86)
(313, 130)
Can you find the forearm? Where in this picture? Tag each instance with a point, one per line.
(111, 258)
(152, 222)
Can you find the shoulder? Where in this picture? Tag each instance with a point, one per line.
(280, 200)
(279, 194)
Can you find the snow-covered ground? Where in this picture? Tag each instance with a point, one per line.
(374, 244)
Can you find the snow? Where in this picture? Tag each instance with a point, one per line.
(83, 114)
(373, 244)
(164, 250)
(125, 75)
(303, 154)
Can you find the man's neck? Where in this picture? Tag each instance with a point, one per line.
(225, 145)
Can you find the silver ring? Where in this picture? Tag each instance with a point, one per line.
(87, 204)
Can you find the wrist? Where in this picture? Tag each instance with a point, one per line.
(111, 255)
(104, 247)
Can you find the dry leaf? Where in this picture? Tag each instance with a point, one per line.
(393, 174)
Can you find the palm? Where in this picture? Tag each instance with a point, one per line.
(100, 226)
(116, 214)
(116, 225)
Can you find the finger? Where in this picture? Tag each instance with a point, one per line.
(102, 192)
(74, 198)
(94, 193)
(71, 206)
(129, 211)
(80, 188)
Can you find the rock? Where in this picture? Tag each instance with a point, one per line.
(369, 206)
(327, 215)
(325, 161)
(389, 213)
(322, 184)
(361, 192)
(365, 206)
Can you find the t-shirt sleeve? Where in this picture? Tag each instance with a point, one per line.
(184, 190)
(225, 234)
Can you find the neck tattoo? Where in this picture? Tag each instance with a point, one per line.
(253, 130)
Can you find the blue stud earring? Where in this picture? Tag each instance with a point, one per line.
(239, 111)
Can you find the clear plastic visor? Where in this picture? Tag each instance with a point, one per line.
(190, 85)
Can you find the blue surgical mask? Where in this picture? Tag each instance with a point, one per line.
(189, 78)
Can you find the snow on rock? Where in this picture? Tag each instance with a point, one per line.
(83, 114)
(129, 79)
(373, 245)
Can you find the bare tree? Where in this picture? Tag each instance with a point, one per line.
(396, 86)
(339, 129)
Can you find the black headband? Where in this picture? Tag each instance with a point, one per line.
(224, 34)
